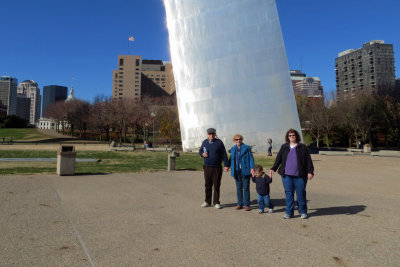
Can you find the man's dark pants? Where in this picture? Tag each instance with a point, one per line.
(212, 177)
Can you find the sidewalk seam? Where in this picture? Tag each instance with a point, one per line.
(75, 229)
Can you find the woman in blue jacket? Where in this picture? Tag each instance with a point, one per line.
(242, 163)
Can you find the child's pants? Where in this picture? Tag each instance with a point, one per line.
(264, 199)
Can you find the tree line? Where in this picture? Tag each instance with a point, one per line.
(121, 120)
(366, 119)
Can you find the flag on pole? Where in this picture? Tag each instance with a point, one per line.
(131, 38)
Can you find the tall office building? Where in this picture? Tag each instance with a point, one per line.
(157, 74)
(8, 93)
(296, 76)
(306, 86)
(53, 94)
(369, 69)
(136, 78)
(23, 106)
(29, 88)
(126, 79)
(3, 108)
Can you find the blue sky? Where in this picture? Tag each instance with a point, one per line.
(51, 41)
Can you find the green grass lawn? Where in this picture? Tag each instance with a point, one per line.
(18, 134)
(110, 162)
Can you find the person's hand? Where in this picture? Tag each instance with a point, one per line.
(271, 172)
(252, 172)
(226, 169)
(310, 176)
(205, 155)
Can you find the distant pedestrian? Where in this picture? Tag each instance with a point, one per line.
(262, 181)
(269, 140)
(11, 140)
(242, 163)
(4, 139)
(296, 168)
(212, 150)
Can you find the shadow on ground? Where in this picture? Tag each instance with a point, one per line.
(48, 141)
(254, 204)
(90, 173)
(281, 203)
(343, 210)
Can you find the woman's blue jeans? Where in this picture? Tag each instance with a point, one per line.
(295, 184)
(242, 190)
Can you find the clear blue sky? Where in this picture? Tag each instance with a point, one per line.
(51, 41)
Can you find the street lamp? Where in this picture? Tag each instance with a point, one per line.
(153, 115)
(145, 131)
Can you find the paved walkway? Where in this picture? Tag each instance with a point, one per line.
(44, 159)
(146, 219)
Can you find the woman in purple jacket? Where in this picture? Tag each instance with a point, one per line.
(296, 168)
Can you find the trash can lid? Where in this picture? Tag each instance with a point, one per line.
(65, 148)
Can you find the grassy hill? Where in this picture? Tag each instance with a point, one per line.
(22, 134)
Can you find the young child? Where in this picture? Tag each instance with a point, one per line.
(262, 181)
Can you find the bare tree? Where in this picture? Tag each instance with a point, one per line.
(358, 116)
(56, 111)
(101, 115)
(126, 114)
(389, 118)
(302, 109)
(77, 115)
(169, 125)
(314, 119)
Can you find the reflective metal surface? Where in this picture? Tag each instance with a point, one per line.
(231, 71)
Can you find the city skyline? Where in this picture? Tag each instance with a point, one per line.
(51, 42)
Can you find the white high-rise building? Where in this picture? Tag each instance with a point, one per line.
(231, 71)
(30, 89)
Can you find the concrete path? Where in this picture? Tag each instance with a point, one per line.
(44, 159)
(147, 219)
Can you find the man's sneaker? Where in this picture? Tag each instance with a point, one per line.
(205, 205)
(260, 211)
(247, 208)
(286, 216)
(304, 216)
(217, 206)
(271, 211)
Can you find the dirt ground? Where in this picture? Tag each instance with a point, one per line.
(155, 219)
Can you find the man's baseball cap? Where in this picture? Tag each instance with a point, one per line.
(211, 131)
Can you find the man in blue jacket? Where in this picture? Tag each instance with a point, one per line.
(212, 150)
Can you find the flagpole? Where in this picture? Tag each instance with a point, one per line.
(130, 39)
